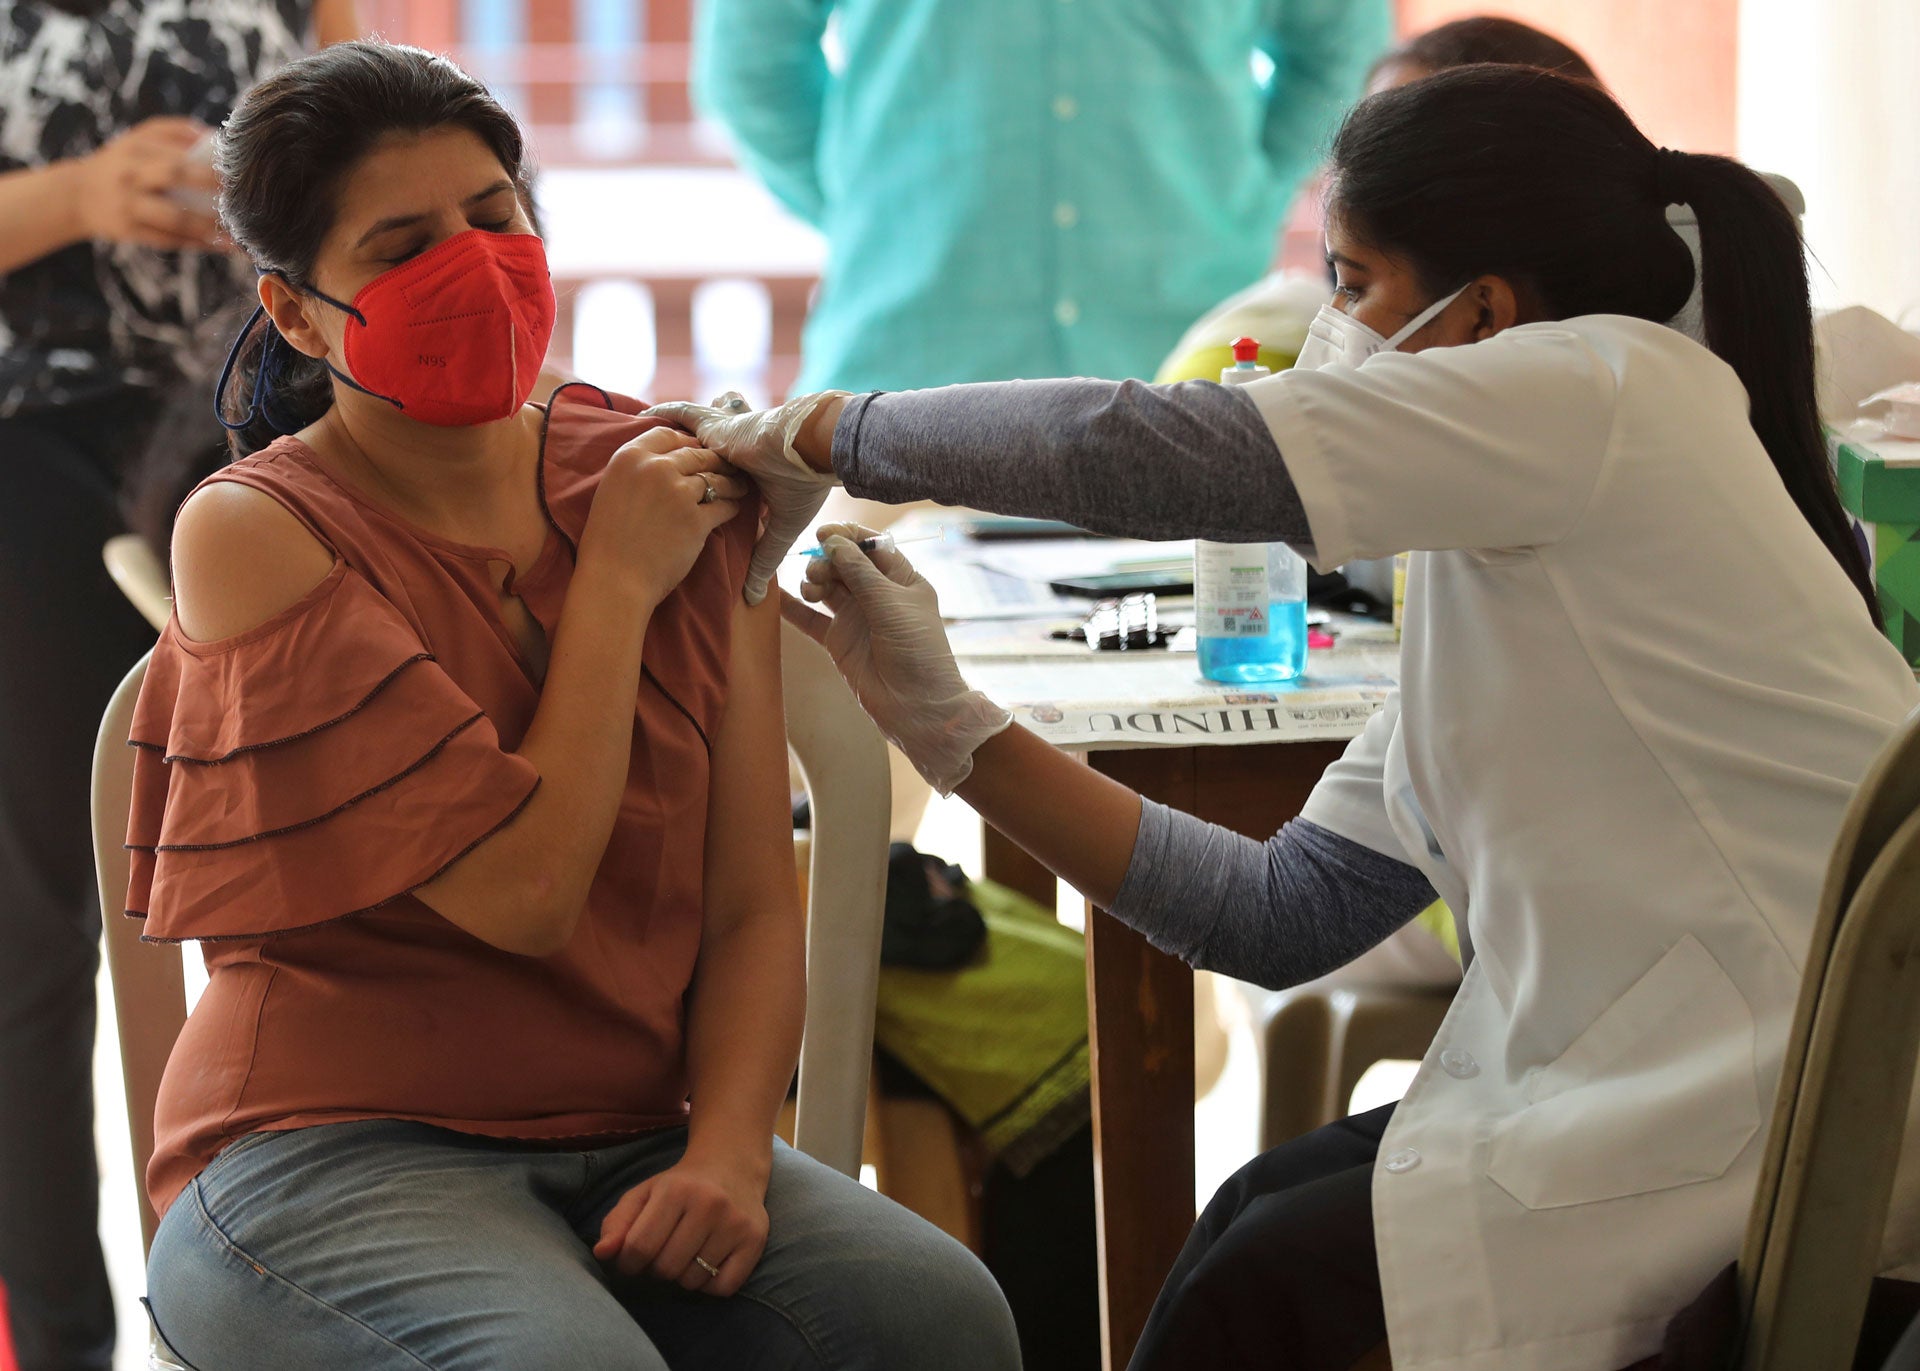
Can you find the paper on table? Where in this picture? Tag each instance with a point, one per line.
(1064, 558)
(978, 592)
(1009, 580)
(1114, 699)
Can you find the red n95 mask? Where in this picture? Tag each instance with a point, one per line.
(456, 335)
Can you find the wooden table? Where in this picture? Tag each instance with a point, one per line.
(1242, 757)
(1140, 1017)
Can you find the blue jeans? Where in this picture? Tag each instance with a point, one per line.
(387, 1244)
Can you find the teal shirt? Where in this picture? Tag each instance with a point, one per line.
(1028, 188)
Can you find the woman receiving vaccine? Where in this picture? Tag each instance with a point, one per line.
(1641, 676)
(463, 760)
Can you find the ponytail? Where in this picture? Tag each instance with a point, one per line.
(1753, 288)
(267, 389)
(1545, 181)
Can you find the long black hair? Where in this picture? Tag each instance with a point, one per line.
(282, 157)
(1545, 181)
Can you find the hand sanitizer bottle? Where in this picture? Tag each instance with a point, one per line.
(1250, 599)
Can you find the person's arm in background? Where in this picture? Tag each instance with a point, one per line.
(335, 21)
(759, 70)
(117, 193)
(1321, 50)
(747, 1002)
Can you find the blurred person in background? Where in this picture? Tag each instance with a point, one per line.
(109, 265)
(1478, 38)
(1017, 189)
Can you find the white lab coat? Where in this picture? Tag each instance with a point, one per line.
(1636, 693)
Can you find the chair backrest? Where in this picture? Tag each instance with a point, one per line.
(844, 760)
(1819, 1212)
(149, 985)
(140, 575)
(845, 763)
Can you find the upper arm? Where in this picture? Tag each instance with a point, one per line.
(749, 862)
(239, 558)
(1496, 444)
(1321, 50)
(737, 41)
(759, 69)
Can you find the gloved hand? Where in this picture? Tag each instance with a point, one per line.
(760, 443)
(885, 636)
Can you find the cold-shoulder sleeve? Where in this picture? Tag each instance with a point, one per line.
(317, 766)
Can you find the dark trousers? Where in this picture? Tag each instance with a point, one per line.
(67, 636)
(1039, 1244)
(1279, 1273)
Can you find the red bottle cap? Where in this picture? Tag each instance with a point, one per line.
(1246, 350)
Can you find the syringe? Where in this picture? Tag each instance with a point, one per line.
(877, 542)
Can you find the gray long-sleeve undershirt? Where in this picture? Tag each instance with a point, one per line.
(1276, 913)
(1193, 460)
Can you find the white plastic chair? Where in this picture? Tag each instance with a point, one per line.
(140, 576)
(844, 761)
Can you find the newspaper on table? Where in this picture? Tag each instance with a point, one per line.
(1136, 699)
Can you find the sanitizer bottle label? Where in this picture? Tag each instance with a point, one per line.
(1234, 599)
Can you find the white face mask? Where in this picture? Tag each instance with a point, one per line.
(1335, 339)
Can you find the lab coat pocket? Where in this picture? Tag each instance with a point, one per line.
(1658, 1091)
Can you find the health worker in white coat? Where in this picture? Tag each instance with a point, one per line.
(1640, 677)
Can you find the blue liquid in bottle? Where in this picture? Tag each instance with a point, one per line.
(1280, 655)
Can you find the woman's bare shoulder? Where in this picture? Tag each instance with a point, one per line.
(239, 558)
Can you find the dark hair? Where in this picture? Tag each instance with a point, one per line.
(1487, 38)
(183, 445)
(1545, 181)
(282, 157)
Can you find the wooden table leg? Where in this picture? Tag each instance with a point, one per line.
(1140, 1025)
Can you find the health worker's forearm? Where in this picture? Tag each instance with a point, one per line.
(1078, 823)
(1193, 460)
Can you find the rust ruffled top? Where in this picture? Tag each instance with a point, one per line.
(294, 784)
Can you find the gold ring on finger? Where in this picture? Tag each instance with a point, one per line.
(706, 498)
(706, 1266)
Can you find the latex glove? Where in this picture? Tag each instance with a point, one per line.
(760, 443)
(886, 637)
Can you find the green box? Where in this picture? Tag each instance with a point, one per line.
(1880, 488)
